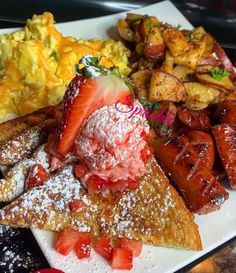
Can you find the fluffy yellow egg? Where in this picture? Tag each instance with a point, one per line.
(37, 63)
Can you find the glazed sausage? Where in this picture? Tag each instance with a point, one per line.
(195, 120)
(203, 144)
(225, 136)
(201, 191)
(226, 112)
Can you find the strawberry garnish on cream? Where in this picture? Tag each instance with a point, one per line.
(84, 95)
(109, 148)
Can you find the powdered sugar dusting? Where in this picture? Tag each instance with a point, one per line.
(111, 144)
(14, 183)
(146, 213)
(22, 145)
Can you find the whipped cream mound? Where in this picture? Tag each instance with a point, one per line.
(110, 143)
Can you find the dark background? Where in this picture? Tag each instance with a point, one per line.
(217, 17)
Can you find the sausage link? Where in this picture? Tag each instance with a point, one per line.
(200, 189)
(225, 136)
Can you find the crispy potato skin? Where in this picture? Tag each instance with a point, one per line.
(225, 84)
(225, 136)
(164, 86)
(195, 120)
(175, 41)
(201, 192)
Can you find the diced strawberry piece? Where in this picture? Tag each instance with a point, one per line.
(36, 176)
(66, 241)
(77, 205)
(122, 258)
(84, 96)
(146, 153)
(33, 120)
(83, 248)
(95, 184)
(119, 185)
(133, 184)
(80, 170)
(133, 245)
(103, 247)
(144, 135)
(49, 270)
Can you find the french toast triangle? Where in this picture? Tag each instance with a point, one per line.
(153, 213)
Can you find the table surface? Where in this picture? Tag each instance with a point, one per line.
(217, 17)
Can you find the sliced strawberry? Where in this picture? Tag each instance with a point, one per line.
(83, 248)
(36, 176)
(84, 96)
(80, 170)
(133, 245)
(77, 205)
(95, 184)
(133, 184)
(66, 241)
(122, 258)
(49, 270)
(146, 153)
(103, 247)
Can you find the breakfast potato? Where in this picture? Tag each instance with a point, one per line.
(182, 72)
(175, 42)
(124, 30)
(209, 44)
(164, 86)
(168, 63)
(224, 84)
(141, 81)
(200, 96)
(146, 26)
(191, 55)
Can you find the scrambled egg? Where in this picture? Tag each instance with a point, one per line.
(37, 63)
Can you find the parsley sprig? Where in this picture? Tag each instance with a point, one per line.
(92, 69)
(219, 74)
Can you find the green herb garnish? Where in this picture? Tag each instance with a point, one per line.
(92, 69)
(190, 37)
(219, 74)
(178, 26)
(54, 55)
(149, 24)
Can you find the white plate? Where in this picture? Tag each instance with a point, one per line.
(215, 228)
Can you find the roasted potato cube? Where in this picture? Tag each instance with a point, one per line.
(182, 72)
(192, 56)
(146, 25)
(124, 30)
(209, 44)
(175, 42)
(198, 33)
(200, 96)
(224, 84)
(141, 81)
(168, 63)
(164, 86)
(154, 37)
